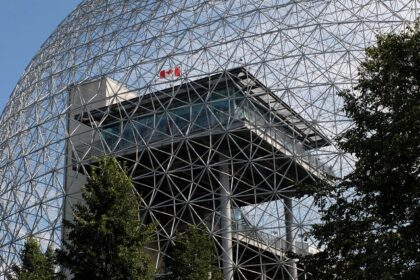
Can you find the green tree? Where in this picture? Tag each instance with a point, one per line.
(106, 239)
(193, 257)
(35, 265)
(371, 227)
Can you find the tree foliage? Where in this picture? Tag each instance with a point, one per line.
(371, 230)
(35, 265)
(193, 257)
(106, 239)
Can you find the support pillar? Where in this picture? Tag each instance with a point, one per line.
(263, 272)
(226, 221)
(288, 217)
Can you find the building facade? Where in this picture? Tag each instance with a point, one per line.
(206, 152)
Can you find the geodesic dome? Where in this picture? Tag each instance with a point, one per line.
(300, 53)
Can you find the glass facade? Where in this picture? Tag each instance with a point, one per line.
(181, 118)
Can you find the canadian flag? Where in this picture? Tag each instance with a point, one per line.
(170, 72)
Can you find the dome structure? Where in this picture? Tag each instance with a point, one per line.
(220, 109)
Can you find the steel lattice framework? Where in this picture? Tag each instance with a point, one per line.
(252, 113)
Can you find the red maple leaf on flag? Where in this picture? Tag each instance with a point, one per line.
(171, 72)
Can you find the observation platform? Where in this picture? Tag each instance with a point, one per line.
(205, 111)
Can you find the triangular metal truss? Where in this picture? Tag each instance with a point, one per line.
(252, 114)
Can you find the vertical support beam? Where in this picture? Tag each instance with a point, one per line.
(288, 217)
(226, 220)
(263, 272)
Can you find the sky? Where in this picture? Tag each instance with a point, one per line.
(24, 26)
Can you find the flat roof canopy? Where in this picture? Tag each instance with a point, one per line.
(303, 129)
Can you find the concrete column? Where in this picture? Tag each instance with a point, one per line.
(226, 221)
(288, 217)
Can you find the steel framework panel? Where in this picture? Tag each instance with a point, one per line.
(295, 55)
